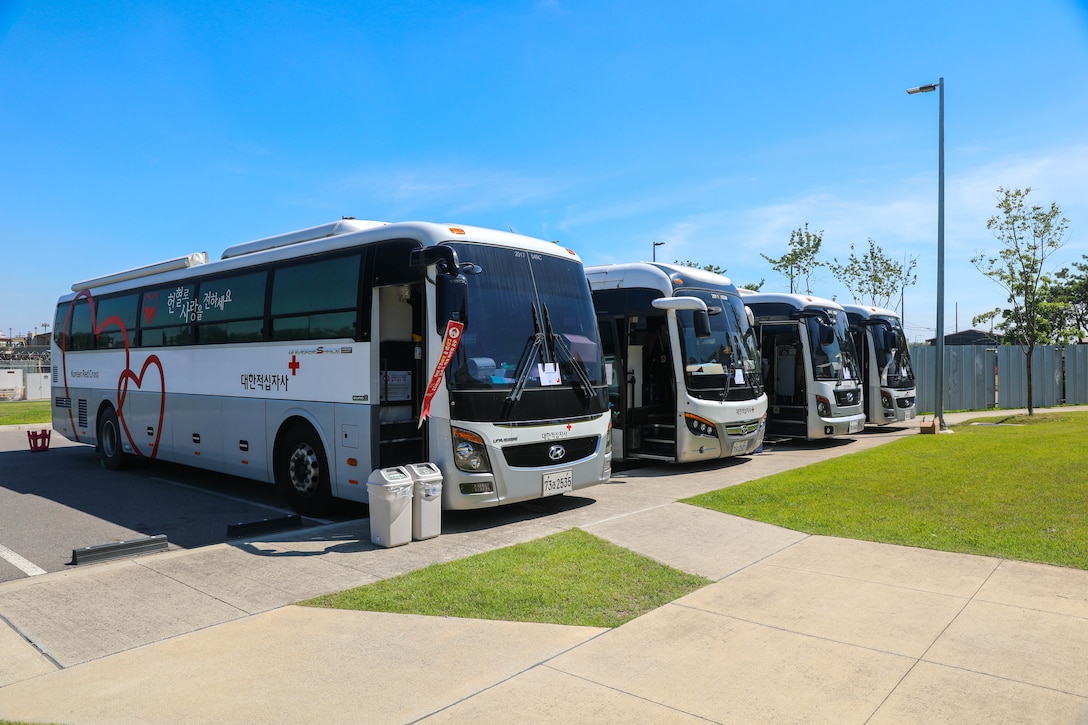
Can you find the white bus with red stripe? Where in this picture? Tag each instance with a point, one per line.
(311, 358)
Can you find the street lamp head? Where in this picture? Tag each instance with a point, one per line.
(927, 88)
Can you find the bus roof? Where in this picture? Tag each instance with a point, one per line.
(867, 311)
(665, 278)
(342, 234)
(797, 301)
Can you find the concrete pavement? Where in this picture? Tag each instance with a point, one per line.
(795, 628)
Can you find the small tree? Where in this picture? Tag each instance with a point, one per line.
(874, 278)
(1070, 292)
(705, 267)
(800, 262)
(1029, 236)
(716, 270)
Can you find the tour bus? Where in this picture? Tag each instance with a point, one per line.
(886, 371)
(810, 366)
(684, 377)
(311, 358)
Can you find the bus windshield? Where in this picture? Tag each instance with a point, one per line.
(722, 365)
(892, 355)
(530, 318)
(833, 356)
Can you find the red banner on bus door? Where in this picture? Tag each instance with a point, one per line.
(449, 346)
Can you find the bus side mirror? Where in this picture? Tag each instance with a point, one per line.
(827, 335)
(451, 294)
(701, 323)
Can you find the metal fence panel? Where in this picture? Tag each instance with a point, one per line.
(1046, 374)
(1076, 374)
(970, 373)
(923, 359)
(1012, 379)
(970, 376)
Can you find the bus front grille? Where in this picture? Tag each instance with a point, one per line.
(847, 397)
(550, 453)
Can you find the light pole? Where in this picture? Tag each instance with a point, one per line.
(656, 245)
(938, 410)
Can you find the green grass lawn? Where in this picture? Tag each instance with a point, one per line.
(1013, 488)
(1018, 490)
(567, 578)
(25, 412)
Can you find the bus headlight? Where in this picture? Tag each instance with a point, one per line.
(823, 407)
(469, 452)
(700, 426)
(886, 399)
(608, 437)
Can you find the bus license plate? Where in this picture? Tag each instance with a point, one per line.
(558, 482)
(740, 448)
(855, 426)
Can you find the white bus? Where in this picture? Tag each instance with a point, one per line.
(885, 364)
(685, 383)
(810, 366)
(311, 358)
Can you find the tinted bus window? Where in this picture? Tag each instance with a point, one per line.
(316, 299)
(116, 316)
(166, 314)
(231, 309)
(80, 329)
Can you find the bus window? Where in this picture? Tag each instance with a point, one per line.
(231, 309)
(114, 334)
(315, 300)
(166, 314)
(81, 328)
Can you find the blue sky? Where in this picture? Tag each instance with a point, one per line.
(139, 131)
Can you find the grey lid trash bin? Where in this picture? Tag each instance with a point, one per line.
(389, 491)
(426, 501)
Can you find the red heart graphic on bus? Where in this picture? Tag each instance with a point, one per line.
(122, 398)
(151, 306)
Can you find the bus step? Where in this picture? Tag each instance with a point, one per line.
(651, 457)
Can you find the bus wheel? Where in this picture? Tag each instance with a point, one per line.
(109, 441)
(302, 471)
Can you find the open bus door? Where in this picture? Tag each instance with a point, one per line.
(641, 391)
(782, 349)
(400, 304)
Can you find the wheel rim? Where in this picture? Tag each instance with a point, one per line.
(304, 470)
(109, 439)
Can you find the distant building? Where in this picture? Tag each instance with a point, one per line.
(969, 337)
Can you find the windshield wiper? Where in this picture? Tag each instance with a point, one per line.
(563, 351)
(533, 347)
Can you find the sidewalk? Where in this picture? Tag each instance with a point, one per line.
(796, 628)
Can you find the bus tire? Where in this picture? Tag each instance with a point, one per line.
(109, 440)
(302, 470)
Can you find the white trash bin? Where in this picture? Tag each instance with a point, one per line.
(390, 494)
(426, 501)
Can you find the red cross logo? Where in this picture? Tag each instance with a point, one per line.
(294, 365)
(569, 426)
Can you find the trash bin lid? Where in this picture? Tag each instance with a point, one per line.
(395, 474)
(424, 471)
